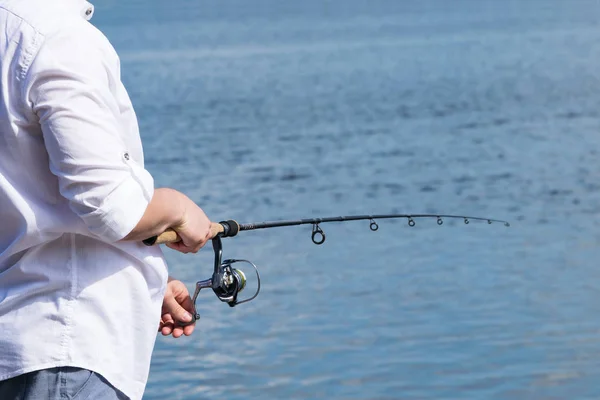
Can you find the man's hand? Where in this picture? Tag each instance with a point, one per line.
(172, 209)
(177, 310)
(193, 228)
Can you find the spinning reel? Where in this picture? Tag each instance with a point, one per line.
(226, 282)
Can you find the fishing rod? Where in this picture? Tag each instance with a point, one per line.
(227, 282)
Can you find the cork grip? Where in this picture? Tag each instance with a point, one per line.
(170, 236)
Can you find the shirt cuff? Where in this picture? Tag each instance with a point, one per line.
(122, 209)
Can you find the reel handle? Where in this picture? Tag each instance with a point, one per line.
(223, 228)
(207, 283)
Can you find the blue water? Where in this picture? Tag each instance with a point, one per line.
(266, 109)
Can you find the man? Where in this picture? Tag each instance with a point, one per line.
(80, 296)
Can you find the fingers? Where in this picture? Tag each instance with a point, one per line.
(182, 247)
(188, 305)
(179, 314)
(177, 310)
(179, 246)
(189, 329)
(166, 324)
(201, 244)
(194, 228)
(169, 327)
(166, 330)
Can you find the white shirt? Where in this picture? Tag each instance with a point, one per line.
(72, 184)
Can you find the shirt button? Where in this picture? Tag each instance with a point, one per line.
(88, 11)
(126, 156)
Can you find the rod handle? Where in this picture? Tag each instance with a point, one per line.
(223, 228)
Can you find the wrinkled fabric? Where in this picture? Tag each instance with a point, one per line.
(72, 185)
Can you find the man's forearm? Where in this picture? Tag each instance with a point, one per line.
(165, 210)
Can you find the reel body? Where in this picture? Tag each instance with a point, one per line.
(226, 282)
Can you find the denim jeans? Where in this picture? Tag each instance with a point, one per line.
(62, 383)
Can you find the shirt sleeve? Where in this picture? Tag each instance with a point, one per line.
(71, 88)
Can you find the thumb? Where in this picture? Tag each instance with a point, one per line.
(177, 311)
